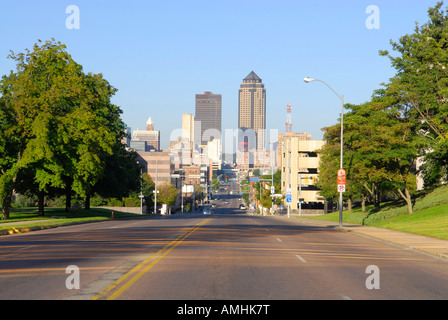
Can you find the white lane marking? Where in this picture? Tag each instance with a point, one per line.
(278, 239)
(300, 258)
(25, 248)
(345, 297)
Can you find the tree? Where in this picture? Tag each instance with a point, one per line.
(421, 85)
(11, 150)
(379, 152)
(215, 183)
(167, 194)
(121, 175)
(148, 187)
(60, 119)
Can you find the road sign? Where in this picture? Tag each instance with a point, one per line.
(341, 187)
(272, 189)
(341, 176)
(288, 198)
(254, 179)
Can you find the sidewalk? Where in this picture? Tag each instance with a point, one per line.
(428, 245)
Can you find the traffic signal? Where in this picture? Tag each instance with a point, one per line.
(247, 180)
(227, 179)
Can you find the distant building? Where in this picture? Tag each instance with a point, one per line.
(256, 159)
(207, 120)
(283, 137)
(126, 140)
(188, 130)
(196, 175)
(138, 145)
(299, 170)
(191, 174)
(151, 136)
(252, 108)
(157, 164)
(214, 152)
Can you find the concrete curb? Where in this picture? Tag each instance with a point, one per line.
(37, 228)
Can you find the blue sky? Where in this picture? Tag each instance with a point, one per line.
(159, 54)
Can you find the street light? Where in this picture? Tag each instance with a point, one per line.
(308, 80)
(141, 188)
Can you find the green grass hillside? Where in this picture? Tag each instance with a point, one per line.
(430, 217)
(25, 219)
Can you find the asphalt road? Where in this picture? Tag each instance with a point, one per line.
(226, 255)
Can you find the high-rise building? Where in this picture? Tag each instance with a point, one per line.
(151, 136)
(207, 120)
(252, 108)
(188, 130)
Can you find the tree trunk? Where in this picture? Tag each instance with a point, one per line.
(407, 197)
(68, 199)
(87, 204)
(40, 197)
(376, 198)
(6, 205)
(363, 203)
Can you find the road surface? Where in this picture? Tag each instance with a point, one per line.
(228, 254)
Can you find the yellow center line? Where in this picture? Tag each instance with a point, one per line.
(156, 257)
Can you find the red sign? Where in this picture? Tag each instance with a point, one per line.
(341, 176)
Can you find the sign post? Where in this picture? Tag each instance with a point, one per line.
(341, 176)
(341, 189)
(341, 180)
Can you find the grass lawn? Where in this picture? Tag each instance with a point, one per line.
(431, 222)
(57, 217)
(430, 216)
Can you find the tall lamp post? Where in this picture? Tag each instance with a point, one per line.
(141, 189)
(155, 192)
(308, 80)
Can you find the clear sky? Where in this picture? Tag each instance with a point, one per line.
(159, 54)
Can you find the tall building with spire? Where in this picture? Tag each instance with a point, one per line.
(252, 109)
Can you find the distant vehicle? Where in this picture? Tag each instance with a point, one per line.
(242, 207)
(207, 211)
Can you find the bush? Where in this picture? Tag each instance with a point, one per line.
(131, 201)
(24, 201)
(114, 202)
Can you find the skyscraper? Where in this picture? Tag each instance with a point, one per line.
(207, 120)
(188, 130)
(252, 108)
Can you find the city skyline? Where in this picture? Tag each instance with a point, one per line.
(149, 49)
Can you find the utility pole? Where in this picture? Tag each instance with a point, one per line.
(300, 194)
(155, 192)
(141, 191)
